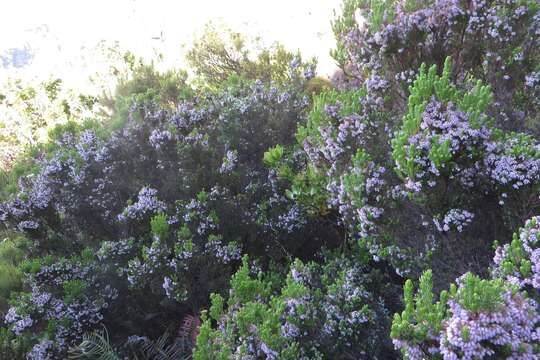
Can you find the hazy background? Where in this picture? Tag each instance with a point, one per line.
(59, 37)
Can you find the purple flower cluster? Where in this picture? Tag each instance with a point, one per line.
(41, 351)
(229, 162)
(158, 138)
(223, 253)
(519, 262)
(87, 146)
(469, 335)
(445, 126)
(290, 221)
(50, 302)
(408, 35)
(147, 204)
(512, 170)
(455, 218)
(473, 335)
(19, 323)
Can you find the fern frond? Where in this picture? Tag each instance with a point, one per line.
(95, 346)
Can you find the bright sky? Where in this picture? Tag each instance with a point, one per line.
(298, 24)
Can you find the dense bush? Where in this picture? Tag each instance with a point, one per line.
(385, 42)
(257, 212)
(444, 162)
(417, 165)
(478, 318)
(331, 311)
(142, 82)
(168, 204)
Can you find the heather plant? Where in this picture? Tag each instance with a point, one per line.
(167, 139)
(141, 82)
(428, 135)
(67, 297)
(385, 42)
(168, 204)
(442, 157)
(259, 212)
(518, 262)
(478, 318)
(334, 310)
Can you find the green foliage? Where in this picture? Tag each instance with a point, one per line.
(143, 83)
(206, 347)
(347, 101)
(478, 294)
(265, 316)
(216, 309)
(24, 164)
(354, 181)
(221, 55)
(341, 25)
(10, 280)
(13, 347)
(522, 144)
(246, 288)
(308, 188)
(12, 250)
(86, 257)
(74, 290)
(159, 225)
(287, 321)
(308, 185)
(30, 108)
(422, 320)
(273, 156)
(370, 13)
(33, 265)
(421, 316)
(429, 85)
(515, 259)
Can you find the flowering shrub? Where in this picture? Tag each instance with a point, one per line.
(169, 203)
(318, 312)
(442, 154)
(385, 42)
(30, 108)
(519, 262)
(422, 154)
(67, 298)
(444, 161)
(478, 318)
(220, 54)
